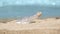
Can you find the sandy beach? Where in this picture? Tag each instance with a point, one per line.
(49, 22)
(52, 25)
(31, 25)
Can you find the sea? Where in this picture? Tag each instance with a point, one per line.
(28, 10)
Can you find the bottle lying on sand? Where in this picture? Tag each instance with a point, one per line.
(31, 19)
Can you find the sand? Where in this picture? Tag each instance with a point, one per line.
(45, 23)
(45, 26)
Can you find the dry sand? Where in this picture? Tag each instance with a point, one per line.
(45, 26)
(50, 22)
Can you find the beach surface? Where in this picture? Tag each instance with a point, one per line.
(51, 23)
(45, 26)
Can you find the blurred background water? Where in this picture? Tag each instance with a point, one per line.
(15, 8)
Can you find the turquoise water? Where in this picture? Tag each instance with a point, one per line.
(28, 10)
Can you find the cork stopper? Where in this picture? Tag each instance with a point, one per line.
(39, 14)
